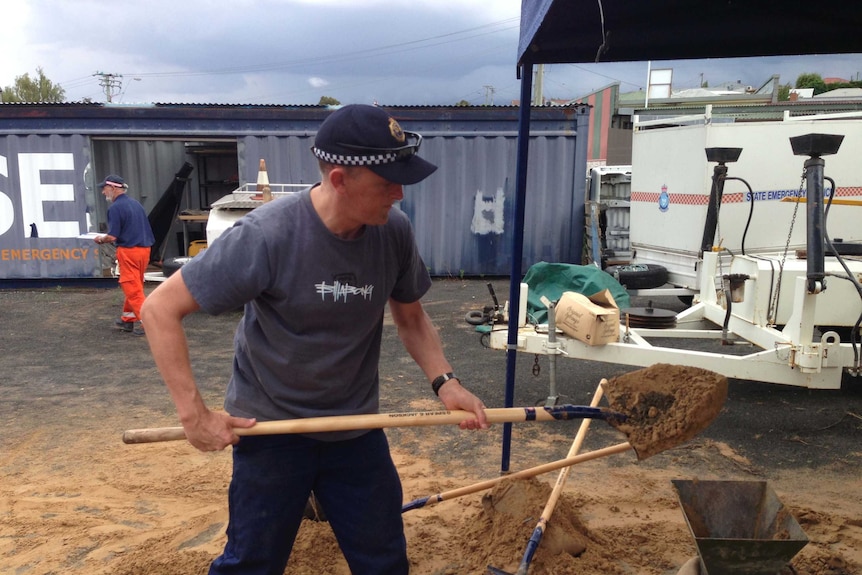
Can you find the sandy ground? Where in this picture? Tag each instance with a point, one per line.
(75, 500)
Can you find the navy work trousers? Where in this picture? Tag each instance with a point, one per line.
(355, 482)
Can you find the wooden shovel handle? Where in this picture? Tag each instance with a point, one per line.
(524, 473)
(381, 420)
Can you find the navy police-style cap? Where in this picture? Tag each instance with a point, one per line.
(115, 181)
(363, 135)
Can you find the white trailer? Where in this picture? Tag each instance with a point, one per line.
(671, 181)
(758, 268)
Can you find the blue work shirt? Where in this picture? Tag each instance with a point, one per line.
(127, 221)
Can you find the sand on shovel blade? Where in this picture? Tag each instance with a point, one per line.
(665, 404)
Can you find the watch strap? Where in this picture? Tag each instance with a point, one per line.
(440, 380)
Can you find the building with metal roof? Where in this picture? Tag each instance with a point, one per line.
(614, 112)
(52, 155)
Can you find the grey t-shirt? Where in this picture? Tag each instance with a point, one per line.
(308, 344)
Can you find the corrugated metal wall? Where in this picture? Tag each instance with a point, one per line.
(39, 226)
(148, 166)
(288, 158)
(462, 214)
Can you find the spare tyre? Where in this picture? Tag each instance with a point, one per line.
(170, 265)
(639, 276)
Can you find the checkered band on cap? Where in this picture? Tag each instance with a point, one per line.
(343, 160)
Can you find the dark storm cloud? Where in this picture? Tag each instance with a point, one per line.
(293, 52)
(211, 51)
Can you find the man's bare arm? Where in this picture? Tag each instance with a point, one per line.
(162, 315)
(422, 342)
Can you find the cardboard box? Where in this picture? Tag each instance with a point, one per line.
(594, 320)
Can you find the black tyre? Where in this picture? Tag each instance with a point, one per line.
(639, 276)
(170, 265)
(476, 318)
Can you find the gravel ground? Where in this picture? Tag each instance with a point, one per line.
(60, 352)
(74, 499)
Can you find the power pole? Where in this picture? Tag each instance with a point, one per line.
(110, 83)
(538, 86)
(489, 95)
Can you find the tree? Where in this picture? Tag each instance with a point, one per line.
(784, 92)
(463, 103)
(38, 89)
(810, 80)
(328, 101)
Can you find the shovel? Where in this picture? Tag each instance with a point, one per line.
(382, 420)
(564, 464)
(523, 474)
(665, 405)
(539, 531)
(700, 404)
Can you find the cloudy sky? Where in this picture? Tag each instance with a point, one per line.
(396, 52)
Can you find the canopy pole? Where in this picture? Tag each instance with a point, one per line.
(517, 252)
(580, 193)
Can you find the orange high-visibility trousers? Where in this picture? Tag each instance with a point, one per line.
(133, 263)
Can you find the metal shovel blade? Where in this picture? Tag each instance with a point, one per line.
(665, 405)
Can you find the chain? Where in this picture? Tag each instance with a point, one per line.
(537, 369)
(773, 311)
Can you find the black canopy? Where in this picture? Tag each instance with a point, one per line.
(579, 31)
(554, 31)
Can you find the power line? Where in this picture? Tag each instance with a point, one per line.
(373, 80)
(112, 83)
(591, 71)
(356, 54)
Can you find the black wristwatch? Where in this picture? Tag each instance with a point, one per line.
(440, 380)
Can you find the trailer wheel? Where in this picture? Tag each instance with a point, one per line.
(170, 265)
(639, 276)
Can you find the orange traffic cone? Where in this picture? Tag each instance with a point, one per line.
(262, 177)
(263, 182)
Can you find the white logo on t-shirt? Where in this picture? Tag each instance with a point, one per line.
(339, 291)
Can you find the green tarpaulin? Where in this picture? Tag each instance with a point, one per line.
(552, 279)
